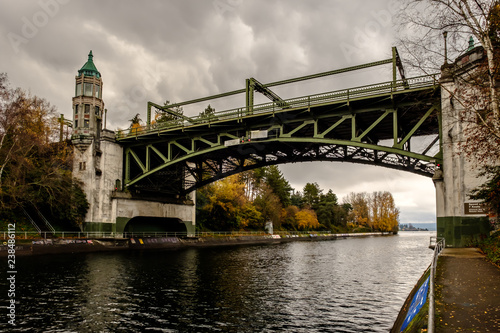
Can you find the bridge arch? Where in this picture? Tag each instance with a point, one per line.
(204, 166)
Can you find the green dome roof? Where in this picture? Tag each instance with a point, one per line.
(89, 68)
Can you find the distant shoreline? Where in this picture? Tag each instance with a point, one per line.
(87, 245)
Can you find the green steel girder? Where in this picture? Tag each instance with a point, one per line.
(345, 97)
(203, 170)
(309, 129)
(252, 84)
(353, 125)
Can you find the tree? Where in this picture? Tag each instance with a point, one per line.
(311, 194)
(164, 118)
(227, 207)
(296, 199)
(207, 113)
(35, 169)
(327, 209)
(269, 204)
(423, 23)
(489, 192)
(384, 214)
(279, 185)
(306, 219)
(135, 124)
(360, 212)
(288, 217)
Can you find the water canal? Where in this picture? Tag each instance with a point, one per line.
(345, 285)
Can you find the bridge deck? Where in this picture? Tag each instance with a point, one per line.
(370, 97)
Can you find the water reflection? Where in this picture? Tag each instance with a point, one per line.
(346, 285)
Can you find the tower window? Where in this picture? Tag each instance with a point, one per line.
(87, 108)
(87, 89)
(97, 111)
(76, 123)
(76, 108)
(86, 123)
(82, 166)
(97, 91)
(78, 90)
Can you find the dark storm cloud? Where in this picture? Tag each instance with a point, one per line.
(177, 50)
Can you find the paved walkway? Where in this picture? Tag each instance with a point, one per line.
(467, 292)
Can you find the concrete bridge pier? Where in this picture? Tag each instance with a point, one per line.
(460, 220)
(99, 166)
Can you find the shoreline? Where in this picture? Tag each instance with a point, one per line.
(89, 245)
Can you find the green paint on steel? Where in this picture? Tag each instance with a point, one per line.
(288, 140)
(372, 126)
(417, 126)
(249, 91)
(331, 128)
(344, 96)
(298, 128)
(160, 155)
(137, 159)
(198, 138)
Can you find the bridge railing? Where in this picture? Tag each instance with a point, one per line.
(350, 94)
(438, 244)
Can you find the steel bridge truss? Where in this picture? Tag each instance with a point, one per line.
(384, 124)
(179, 161)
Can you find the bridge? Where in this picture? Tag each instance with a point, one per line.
(371, 124)
(154, 169)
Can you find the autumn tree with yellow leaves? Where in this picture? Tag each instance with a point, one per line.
(376, 211)
(35, 169)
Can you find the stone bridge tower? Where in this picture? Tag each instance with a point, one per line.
(97, 158)
(98, 165)
(460, 220)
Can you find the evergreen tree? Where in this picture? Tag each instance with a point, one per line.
(278, 184)
(311, 194)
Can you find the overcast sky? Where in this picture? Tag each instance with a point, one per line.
(180, 50)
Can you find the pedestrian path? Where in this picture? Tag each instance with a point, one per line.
(467, 292)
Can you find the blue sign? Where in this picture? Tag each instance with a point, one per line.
(416, 304)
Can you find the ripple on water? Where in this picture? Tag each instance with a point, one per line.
(348, 285)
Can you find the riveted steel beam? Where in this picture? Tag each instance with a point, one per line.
(372, 126)
(416, 127)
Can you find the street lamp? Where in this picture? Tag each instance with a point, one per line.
(445, 35)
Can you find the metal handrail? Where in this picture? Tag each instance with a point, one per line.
(45, 221)
(98, 234)
(440, 244)
(31, 220)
